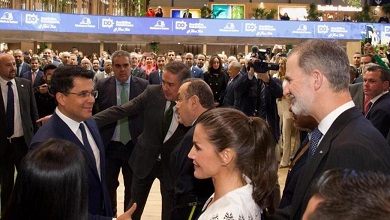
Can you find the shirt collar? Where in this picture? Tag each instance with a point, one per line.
(331, 117)
(72, 124)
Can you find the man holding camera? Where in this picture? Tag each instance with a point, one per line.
(260, 91)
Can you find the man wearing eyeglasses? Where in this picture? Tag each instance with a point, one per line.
(73, 88)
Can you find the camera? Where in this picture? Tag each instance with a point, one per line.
(259, 64)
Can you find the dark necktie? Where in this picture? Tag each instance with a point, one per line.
(315, 138)
(124, 123)
(368, 108)
(167, 118)
(86, 142)
(10, 112)
(160, 76)
(17, 70)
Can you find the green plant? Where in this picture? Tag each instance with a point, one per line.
(42, 47)
(312, 13)
(353, 3)
(365, 15)
(205, 12)
(386, 8)
(263, 14)
(154, 46)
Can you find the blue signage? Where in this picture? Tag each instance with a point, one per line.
(76, 23)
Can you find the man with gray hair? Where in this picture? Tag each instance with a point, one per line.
(317, 79)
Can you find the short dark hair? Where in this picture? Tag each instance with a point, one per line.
(120, 53)
(62, 80)
(178, 68)
(51, 184)
(370, 56)
(200, 88)
(384, 72)
(252, 140)
(49, 67)
(349, 194)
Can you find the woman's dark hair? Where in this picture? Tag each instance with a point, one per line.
(51, 184)
(211, 70)
(251, 139)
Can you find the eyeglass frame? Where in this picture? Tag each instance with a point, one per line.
(85, 94)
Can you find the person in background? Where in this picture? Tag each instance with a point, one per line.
(150, 13)
(285, 17)
(187, 14)
(159, 12)
(350, 194)
(217, 79)
(243, 167)
(46, 103)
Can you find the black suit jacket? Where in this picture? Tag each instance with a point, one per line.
(28, 114)
(151, 142)
(55, 127)
(138, 72)
(379, 114)
(351, 142)
(232, 94)
(155, 78)
(108, 97)
(189, 15)
(357, 95)
(186, 185)
(24, 67)
(251, 100)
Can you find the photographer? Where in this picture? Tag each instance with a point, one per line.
(260, 91)
(45, 101)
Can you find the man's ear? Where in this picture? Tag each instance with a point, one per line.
(60, 98)
(318, 79)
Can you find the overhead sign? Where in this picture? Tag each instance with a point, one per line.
(95, 24)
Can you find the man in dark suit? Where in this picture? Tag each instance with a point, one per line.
(317, 79)
(259, 93)
(21, 66)
(195, 71)
(307, 124)
(376, 88)
(34, 75)
(155, 77)
(187, 14)
(135, 69)
(194, 98)
(120, 137)
(232, 95)
(73, 88)
(17, 122)
(151, 156)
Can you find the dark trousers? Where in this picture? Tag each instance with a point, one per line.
(14, 154)
(187, 208)
(141, 189)
(117, 157)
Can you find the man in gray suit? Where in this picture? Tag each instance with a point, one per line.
(120, 137)
(162, 132)
(18, 113)
(106, 73)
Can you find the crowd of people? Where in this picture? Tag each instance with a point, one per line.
(209, 127)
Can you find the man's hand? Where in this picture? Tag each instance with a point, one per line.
(43, 88)
(128, 213)
(44, 119)
(263, 76)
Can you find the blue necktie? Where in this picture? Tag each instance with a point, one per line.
(10, 112)
(315, 138)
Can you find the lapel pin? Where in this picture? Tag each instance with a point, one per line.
(22, 85)
(321, 152)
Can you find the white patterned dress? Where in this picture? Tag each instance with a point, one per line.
(235, 205)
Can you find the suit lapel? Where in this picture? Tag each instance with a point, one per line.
(21, 87)
(68, 134)
(375, 104)
(315, 164)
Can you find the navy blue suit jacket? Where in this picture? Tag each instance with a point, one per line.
(155, 78)
(98, 198)
(38, 77)
(196, 72)
(232, 96)
(362, 149)
(24, 67)
(379, 114)
(107, 98)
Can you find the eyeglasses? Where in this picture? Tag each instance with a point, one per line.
(85, 94)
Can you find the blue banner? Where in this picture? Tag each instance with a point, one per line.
(76, 23)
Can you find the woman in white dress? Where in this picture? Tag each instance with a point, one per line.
(238, 153)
